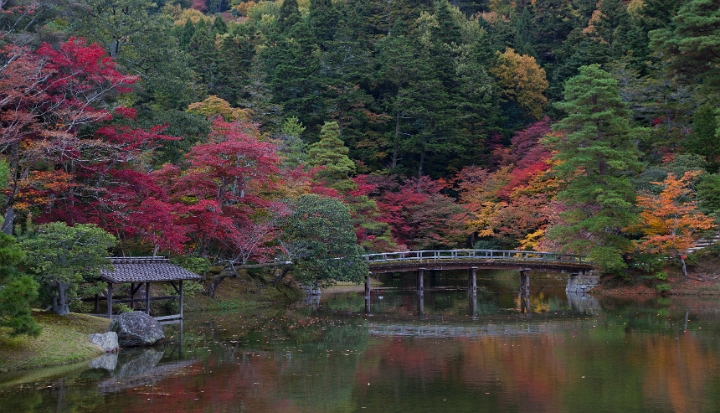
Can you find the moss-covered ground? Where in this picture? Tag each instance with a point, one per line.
(63, 340)
(242, 293)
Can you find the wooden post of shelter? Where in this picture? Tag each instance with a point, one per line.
(132, 296)
(147, 298)
(180, 285)
(421, 281)
(110, 300)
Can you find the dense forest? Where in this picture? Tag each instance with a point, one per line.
(307, 129)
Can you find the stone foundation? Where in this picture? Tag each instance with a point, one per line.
(581, 283)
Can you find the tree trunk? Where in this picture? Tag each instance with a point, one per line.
(396, 141)
(683, 266)
(9, 219)
(9, 213)
(60, 306)
(228, 271)
(280, 276)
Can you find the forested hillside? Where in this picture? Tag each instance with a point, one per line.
(216, 128)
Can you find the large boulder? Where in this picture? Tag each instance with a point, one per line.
(107, 341)
(136, 328)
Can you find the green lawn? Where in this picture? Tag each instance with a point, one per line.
(63, 340)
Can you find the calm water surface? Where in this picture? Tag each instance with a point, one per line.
(567, 354)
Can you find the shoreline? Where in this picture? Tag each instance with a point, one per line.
(63, 340)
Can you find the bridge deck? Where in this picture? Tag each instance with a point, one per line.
(464, 259)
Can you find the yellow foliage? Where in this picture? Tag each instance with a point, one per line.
(194, 15)
(531, 241)
(484, 220)
(214, 106)
(522, 80)
(634, 6)
(243, 8)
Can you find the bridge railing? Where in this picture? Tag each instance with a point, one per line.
(476, 254)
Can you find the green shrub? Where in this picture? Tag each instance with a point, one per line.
(199, 266)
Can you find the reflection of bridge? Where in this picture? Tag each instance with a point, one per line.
(472, 260)
(487, 330)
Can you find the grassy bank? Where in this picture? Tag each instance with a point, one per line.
(63, 340)
(703, 278)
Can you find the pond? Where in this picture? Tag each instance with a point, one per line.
(565, 354)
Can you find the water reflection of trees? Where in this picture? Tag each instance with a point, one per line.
(632, 356)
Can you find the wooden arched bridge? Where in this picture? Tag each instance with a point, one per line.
(466, 259)
(472, 260)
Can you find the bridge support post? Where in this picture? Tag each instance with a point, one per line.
(525, 281)
(472, 304)
(367, 294)
(421, 281)
(524, 292)
(421, 305)
(472, 281)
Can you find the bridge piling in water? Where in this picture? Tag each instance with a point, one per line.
(472, 304)
(367, 293)
(367, 285)
(524, 292)
(421, 281)
(525, 281)
(472, 281)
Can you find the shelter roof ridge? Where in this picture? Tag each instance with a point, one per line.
(144, 269)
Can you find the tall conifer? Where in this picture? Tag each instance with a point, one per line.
(596, 155)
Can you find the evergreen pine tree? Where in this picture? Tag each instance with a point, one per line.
(219, 26)
(289, 14)
(292, 145)
(17, 291)
(331, 153)
(596, 155)
(292, 73)
(186, 34)
(322, 19)
(693, 39)
(703, 139)
(205, 56)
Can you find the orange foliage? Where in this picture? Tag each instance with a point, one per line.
(40, 188)
(670, 220)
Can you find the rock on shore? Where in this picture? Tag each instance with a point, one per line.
(136, 328)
